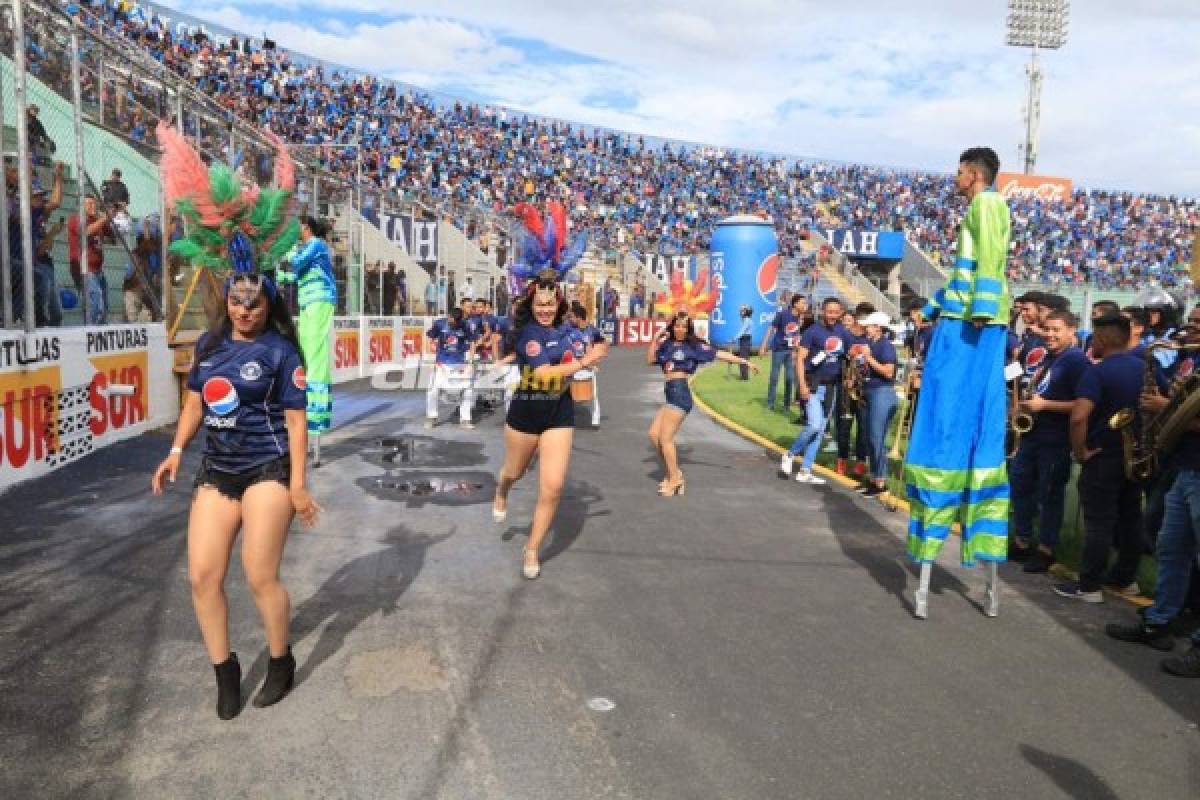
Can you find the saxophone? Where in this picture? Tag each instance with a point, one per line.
(1019, 422)
(1142, 433)
(852, 382)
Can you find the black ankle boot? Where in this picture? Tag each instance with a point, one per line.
(229, 687)
(281, 674)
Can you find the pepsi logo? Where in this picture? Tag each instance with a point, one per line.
(568, 357)
(533, 349)
(669, 366)
(790, 328)
(220, 395)
(451, 340)
(298, 379)
(833, 344)
(1035, 357)
(1186, 367)
(767, 278)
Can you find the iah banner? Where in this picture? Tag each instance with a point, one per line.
(856, 244)
(1015, 185)
(418, 238)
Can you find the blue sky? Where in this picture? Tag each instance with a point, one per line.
(906, 84)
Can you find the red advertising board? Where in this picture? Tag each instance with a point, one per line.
(1015, 184)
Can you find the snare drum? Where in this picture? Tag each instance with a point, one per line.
(582, 386)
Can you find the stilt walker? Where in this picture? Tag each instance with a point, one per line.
(312, 272)
(955, 470)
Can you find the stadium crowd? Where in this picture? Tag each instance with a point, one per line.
(657, 197)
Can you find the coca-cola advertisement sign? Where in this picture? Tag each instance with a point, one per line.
(1014, 185)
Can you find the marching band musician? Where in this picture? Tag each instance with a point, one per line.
(1179, 539)
(1111, 502)
(818, 361)
(586, 338)
(1039, 472)
(451, 371)
(846, 416)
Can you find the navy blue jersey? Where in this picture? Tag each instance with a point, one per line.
(1012, 346)
(245, 387)
(883, 351)
(1113, 384)
(1186, 454)
(826, 347)
(921, 340)
(786, 330)
(584, 337)
(1032, 353)
(1057, 379)
(674, 356)
(540, 346)
(474, 324)
(453, 343)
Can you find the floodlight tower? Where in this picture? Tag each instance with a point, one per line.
(1038, 25)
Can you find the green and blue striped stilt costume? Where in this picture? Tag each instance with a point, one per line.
(955, 470)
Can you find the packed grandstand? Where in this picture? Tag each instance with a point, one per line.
(662, 197)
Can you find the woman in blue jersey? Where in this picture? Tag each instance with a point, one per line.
(247, 388)
(541, 417)
(679, 352)
(876, 360)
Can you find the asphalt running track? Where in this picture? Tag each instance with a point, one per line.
(750, 640)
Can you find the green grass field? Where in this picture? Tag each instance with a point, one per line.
(745, 402)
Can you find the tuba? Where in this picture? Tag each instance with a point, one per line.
(1146, 436)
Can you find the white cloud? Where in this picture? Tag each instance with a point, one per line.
(904, 84)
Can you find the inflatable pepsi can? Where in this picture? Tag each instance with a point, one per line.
(745, 266)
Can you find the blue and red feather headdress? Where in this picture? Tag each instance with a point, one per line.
(544, 243)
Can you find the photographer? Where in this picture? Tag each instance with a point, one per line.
(745, 339)
(96, 285)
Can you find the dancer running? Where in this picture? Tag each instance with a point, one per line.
(541, 415)
(679, 352)
(541, 418)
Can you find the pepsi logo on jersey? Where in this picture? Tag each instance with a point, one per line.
(220, 395)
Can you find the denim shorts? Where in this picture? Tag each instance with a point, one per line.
(234, 484)
(679, 394)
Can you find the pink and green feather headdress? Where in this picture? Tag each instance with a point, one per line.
(220, 212)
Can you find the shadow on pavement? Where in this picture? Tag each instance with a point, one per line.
(371, 583)
(1074, 779)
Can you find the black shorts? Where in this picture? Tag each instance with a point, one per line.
(536, 412)
(234, 484)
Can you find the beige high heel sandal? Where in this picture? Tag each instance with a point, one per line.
(531, 571)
